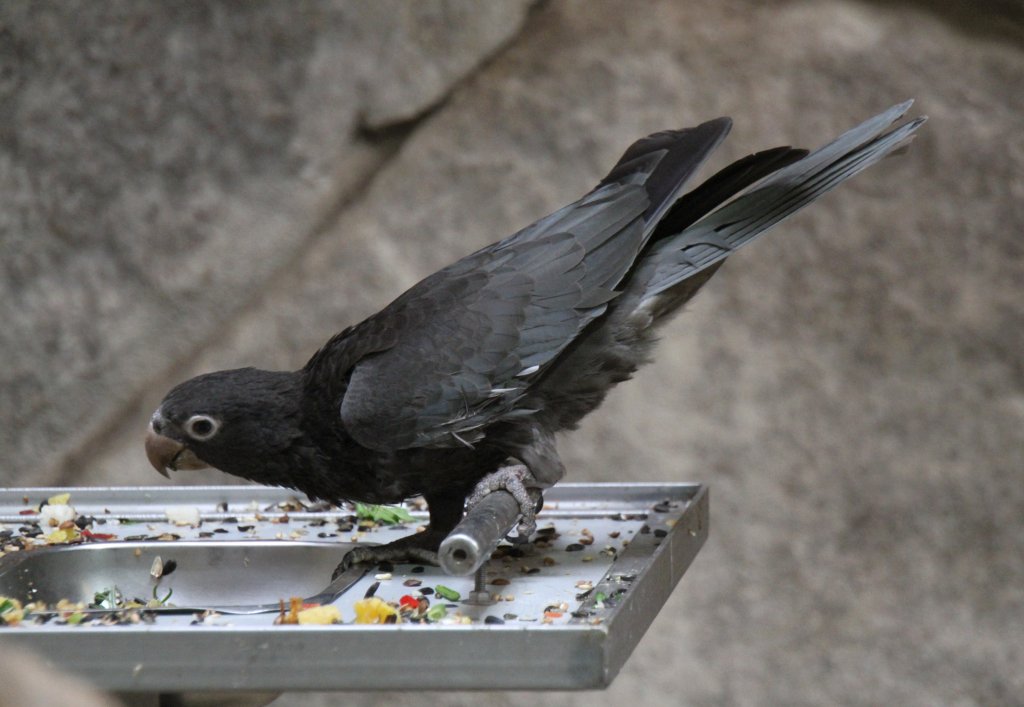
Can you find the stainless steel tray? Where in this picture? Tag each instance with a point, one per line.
(644, 537)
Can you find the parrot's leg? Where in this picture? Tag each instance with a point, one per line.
(445, 513)
(541, 468)
(518, 481)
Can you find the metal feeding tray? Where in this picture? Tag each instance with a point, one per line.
(565, 611)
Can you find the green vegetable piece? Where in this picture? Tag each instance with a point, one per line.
(6, 605)
(107, 599)
(76, 618)
(389, 515)
(447, 593)
(436, 612)
(163, 601)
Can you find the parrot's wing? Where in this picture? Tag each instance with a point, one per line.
(466, 343)
(460, 350)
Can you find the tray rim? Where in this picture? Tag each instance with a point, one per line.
(435, 657)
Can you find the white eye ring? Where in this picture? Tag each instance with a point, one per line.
(201, 427)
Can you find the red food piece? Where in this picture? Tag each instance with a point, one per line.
(88, 534)
(409, 601)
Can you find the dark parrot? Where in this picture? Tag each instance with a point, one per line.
(459, 386)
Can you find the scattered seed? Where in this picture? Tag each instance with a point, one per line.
(499, 582)
(494, 620)
(412, 583)
(574, 547)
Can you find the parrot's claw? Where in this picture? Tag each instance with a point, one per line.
(410, 549)
(518, 481)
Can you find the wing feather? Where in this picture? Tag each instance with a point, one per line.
(459, 350)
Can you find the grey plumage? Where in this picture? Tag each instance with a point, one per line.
(521, 302)
(484, 361)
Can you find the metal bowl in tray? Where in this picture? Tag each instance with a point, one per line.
(234, 576)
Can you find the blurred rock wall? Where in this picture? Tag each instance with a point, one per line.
(186, 187)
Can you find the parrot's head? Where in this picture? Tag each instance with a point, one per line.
(236, 421)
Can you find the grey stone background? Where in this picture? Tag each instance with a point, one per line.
(188, 186)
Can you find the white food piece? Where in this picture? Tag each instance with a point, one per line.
(183, 515)
(54, 514)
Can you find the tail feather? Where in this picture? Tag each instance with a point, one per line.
(672, 259)
(724, 185)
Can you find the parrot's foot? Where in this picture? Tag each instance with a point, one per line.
(518, 481)
(420, 548)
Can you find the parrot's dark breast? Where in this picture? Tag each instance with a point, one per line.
(346, 470)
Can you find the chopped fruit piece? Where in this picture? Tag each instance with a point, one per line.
(320, 615)
(375, 611)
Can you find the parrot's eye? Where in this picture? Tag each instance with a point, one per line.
(201, 427)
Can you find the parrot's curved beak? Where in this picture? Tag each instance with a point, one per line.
(166, 454)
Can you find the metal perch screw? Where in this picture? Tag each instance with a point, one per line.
(480, 596)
